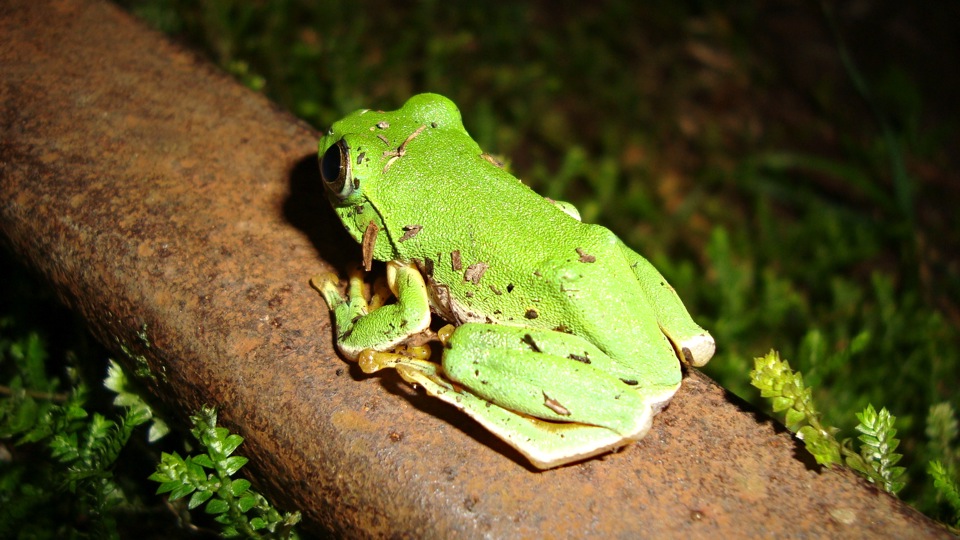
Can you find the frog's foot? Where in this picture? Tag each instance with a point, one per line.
(328, 285)
(358, 293)
(411, 364)
(372, 361)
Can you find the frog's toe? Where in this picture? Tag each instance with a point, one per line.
(698, 350)
(328, 285)
(320, 282)
(357, 273)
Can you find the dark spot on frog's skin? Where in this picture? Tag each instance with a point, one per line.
(433, 124)
(537, 273)
(492, 160)
(578, 358)
(356, 183)
(510, 287)
(630, 382)
(554, 405)
(562, 328)
(475, 271)
(528, 340)
(585, 257)
(455, 262)
(409, 231)
(469, 294)
(367, 244)
(360, 157)
(531, 314)
(495, 290)
(383, 125)
(428, 267)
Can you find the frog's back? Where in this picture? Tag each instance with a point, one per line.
(491, 248)
(519, 261)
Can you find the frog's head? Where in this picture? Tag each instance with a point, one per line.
(366, 158)
(359, 149)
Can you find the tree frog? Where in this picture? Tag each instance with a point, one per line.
(563, 342)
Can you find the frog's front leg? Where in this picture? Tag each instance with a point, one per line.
(382, 328)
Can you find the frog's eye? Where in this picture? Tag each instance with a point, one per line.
(335, 169)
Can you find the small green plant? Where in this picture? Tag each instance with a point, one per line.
(59, 470)
(241, 511)
(942, 431)
(946, 486)
(876, 460)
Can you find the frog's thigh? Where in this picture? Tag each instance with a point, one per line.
(390, 324)
(695, 344)
(545, 444)
(543, 374)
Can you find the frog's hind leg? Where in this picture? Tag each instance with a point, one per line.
(547, 393)
(694, 345)
(544, 443)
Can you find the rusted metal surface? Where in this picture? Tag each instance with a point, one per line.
(182, 215)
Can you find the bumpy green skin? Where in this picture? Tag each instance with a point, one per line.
(557, 320)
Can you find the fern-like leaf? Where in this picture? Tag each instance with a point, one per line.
(206, 477)
(787, 393)
(946, 488)
(877, 448)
